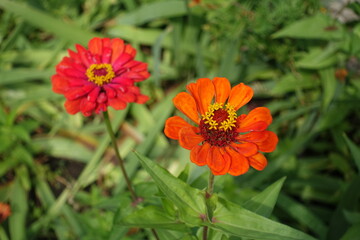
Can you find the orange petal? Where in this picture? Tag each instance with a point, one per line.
(193, 90)
(199, 154)
(257, 120)
(218, 161)
(188, 137)
(95, 46)
(270, 142)
(186, 104)
(247, 149)
(255, 137)
(258, 161)
(173, 125)
(206, 91)
(239, 163)
(222, 89)
(240, 95)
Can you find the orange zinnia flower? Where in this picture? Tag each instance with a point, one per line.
(4, 211)
(101, 76)
(227, 143)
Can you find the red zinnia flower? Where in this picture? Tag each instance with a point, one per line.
(101, 76)
(4, 211)
(227, 143)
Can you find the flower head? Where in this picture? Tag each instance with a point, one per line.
(219, 138)
(102, 75)
(4, 211)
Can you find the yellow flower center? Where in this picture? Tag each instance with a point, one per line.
(220, 118)
(100, 73)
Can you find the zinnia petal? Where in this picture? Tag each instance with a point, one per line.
(247, 149)
(72, 107)
(95, 46)
(269, 144)
(206, 92)
(173, 125)
(257, 120)
(239, 163)
(189, 137)
(222, 89)
(240, 95)
(186, 104)
(255, 137)
(219, 162)
(258, 161)
(199, 153)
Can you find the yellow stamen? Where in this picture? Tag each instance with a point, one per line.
(226, 124)
(100, 79)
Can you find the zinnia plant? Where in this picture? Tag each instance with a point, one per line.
(218, 137)
(102, 75)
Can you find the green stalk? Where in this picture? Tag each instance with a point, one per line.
(209, 192)
(121, 162)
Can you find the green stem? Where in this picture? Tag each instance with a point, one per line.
(209, 192)
(121, 162)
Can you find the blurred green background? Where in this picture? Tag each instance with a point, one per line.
(301, 57)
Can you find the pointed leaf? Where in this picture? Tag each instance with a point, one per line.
(355, 151)
(235, 220)
(190, 201)
(264, 202)
(152, 217)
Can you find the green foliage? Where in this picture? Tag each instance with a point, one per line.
(57, 171)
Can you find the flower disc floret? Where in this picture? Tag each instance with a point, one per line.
(100, 73)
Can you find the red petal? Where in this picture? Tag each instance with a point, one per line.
(173, 125)
(186, 104)
(270, 142)
(188, 137)
(87, 107)
(72, 107)
(258, 161)
(123, 59)
(59, 84)
(240, 95)
(117, 103)
(117, 46)
(239, 163)
(222, 89)
(85, 55)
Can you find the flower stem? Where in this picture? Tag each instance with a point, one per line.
(121, 162)
(209, 192)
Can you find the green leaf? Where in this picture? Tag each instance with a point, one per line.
(355, 151)
(190, 201)
(303, 215)
(19, 209)
(329, 83)
(235, 220)
(352, 233)
(47, 22)
(319, 58)
(264, 202)
(319, 26)
(151, 11)
(152, 217)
